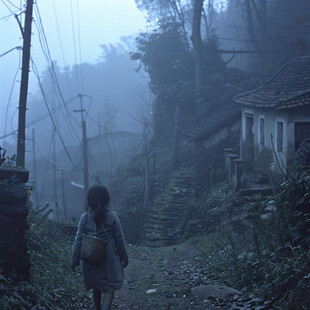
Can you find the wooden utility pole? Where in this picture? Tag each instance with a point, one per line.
(84, 147)
(20, 160)
(34, 167)
(56, 209)
(63, 196)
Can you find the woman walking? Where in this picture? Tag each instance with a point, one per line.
(100, 221)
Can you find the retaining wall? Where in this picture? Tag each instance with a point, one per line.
(14, 259)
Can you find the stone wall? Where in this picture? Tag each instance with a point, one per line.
(14, 260)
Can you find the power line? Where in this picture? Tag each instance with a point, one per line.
(13, 4)
(277, 37)
(35, 71)
(74, 44)
(44, 45)
(61, 46)
(10, 97)
(39, 119)
(80, 49)
(7, 7)
(47, 164)
(4, 17)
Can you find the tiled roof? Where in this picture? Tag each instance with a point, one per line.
(218, 118)
(288, 88)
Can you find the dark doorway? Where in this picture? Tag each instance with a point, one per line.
(249, 138)
(302, 132)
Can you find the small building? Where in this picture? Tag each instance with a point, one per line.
(276, 116)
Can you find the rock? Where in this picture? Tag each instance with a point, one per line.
(151, 291)
(216, 291)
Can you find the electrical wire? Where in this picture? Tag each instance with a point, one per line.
(47, 164)
(61, 46)
(10, 97)
(12, 122)
(80, 48)
(6, 17)
(16, 7)
(7, 7)
(46, 51)
(35, 71)
(39, 119)
(74, 43)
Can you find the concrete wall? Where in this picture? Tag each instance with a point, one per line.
(269, 153)
(14, 260)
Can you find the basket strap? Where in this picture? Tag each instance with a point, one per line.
(108, 236)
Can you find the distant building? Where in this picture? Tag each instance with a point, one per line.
(105, 154)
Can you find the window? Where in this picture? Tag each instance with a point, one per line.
(280, 136)
(262, 132)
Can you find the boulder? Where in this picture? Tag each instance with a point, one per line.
(216, 291)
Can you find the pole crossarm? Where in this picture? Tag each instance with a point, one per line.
(12, 49)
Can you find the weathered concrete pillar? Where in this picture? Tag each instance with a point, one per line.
(238, 172)
(227, 152)
(231, 168)
(14, 260)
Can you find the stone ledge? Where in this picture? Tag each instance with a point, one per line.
(8, 172)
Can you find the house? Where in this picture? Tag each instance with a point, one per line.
(276, 116)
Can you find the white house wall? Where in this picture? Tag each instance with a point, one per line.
(272, 116)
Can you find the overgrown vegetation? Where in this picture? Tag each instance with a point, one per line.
(52, 285)
(6, 161)
(260, 244)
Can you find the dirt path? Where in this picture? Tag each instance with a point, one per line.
(171, 272)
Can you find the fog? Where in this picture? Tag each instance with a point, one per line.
(195, 116)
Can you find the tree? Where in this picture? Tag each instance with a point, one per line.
(196, 39)
(167, 59)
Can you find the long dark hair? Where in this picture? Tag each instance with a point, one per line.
(98, 200)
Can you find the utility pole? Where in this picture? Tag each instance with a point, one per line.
(84, 147)
(34, 167)
(54, 177)
(20, 160)
(63, 196)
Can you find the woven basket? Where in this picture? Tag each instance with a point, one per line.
(93, 249)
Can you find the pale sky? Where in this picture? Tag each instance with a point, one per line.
(100, 22)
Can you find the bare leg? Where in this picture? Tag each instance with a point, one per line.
(107, 300)
(97, 299)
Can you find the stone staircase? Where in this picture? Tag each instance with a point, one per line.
(165, 217)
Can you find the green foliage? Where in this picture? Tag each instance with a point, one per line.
(167, 59)
(6, 161)
(53, 285)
